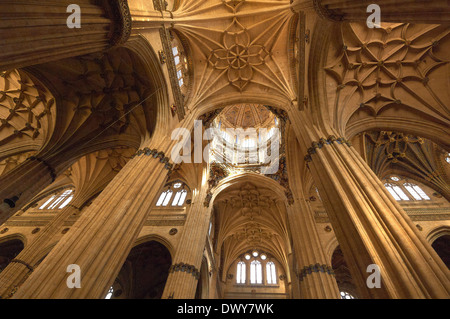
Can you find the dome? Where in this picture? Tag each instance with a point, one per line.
(246, 116)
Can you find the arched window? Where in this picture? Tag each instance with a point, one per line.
(58, 201)
(346, 295)
(181, 62)
(260, 266)
(396, 191)
(240, 274)
(404, 190)
(164, 198)
(176, 192)
(255, 272)
(416, 191)
(180, 197)
(447, 158)
(271, 273)
(110, 293)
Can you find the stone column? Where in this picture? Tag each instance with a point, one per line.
(185, 271)
(90, 175)
(22, 183)
(101, 239)
(295, 289)
(424, 11)
(36, 32)
(316, 278)
(372, 228)
(214, 280)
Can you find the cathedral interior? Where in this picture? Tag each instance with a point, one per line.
(106, 163)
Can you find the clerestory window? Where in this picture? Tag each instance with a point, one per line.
(262, 269)
(174, 194)
(403, 190)
(58, 201)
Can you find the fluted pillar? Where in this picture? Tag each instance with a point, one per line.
(36, 32)
(372, 228)
(101, 239)
(418, 11)
(316, 278)
(295, 289)
(214, 281)
(185, 271)
(90, 175)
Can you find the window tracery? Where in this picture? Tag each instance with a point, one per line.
(240, 274)
(58, 201)
(262, 270)
(175, 191)
(346, 295)
(110, 293)
(181, 63)
(403, 190)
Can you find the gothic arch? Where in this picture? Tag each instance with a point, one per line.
(158, 238)
(16, 236)
(142, 275)
(436, 132)
(259, 231)
(143, 49)
(437, 232)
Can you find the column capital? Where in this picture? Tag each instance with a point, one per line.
(156, 154)
(189, 269)
(120, 12)
(325, 13)
(308, 270)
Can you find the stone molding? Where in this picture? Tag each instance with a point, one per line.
(156, 154)
(190, 269)
(122, 19)
(18, 261)
(307, 270)
(325, 13)
(322, 142)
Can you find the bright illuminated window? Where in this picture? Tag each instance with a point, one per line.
(58, 201)
(179, 198)
(240, 275)
(181, 62)
(164, 198)
(110, 293)
(346, 295)
(404, 190)
(255, 272)
(48, 201)
(271, 274)
(391, 190)
(396, 192)
(416, 191)
(178, 195)
(262, 270)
